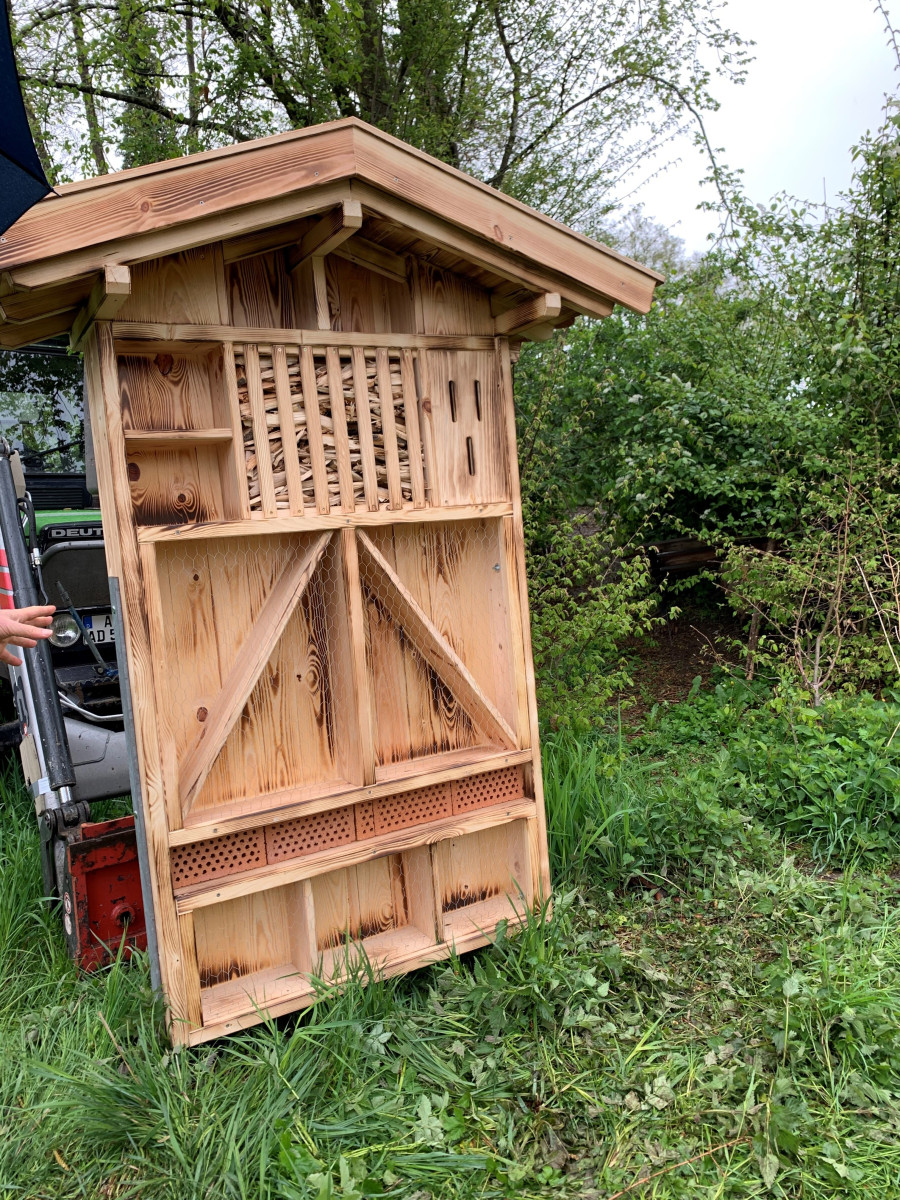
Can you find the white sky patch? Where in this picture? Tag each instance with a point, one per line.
(818, 83)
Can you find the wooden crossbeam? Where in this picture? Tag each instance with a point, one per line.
(374, 258)
(540, 310)
(107, 296)
(327, 233)
(406, 612)
(246, 670)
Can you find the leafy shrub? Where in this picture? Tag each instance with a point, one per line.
(616, 820)
(829, 775)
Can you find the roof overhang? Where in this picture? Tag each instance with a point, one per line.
(49, 259)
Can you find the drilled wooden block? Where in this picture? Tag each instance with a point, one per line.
(413, 808)
(307, 835)
(226, 855)
(365, 819)
(481, 791)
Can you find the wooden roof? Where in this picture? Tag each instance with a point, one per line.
(50, 258)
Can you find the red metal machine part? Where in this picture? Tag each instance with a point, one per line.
(102, 901)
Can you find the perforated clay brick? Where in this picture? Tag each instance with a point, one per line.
(307, 835)
(226, 855)
(493, 787)
(365, 820)
(413, 808)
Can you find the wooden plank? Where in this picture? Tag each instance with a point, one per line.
(193, 1011)
(413, 431)
(314, 430)
(538, 311)
(328, 233)
(250, 661)
(360, 519)
(150, 331)
(504, 367)
(389, 429)
(294, 802)
(430, 643)
(150, 439)
(260, 430)
(363, 698)
(162, 660)
(398, 841)
(288, 436)
(123, 562)
(373, 257)
(107, 296)
(388, 967)
(364, 425)
(339, 425)
(320, 293)
(164, 195)
(233, 406)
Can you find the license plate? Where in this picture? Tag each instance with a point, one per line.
(99, 627)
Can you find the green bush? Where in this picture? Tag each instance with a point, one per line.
(828, 775)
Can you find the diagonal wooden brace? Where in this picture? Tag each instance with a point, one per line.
(328, 233)
(405, 611)
(246, 670)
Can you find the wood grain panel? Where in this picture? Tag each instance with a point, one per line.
(185, 287)
(260, 291)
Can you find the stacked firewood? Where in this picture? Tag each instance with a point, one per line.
(276, 446)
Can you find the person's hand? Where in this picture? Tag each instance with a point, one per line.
(23, 627)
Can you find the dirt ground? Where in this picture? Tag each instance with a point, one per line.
(667, 664)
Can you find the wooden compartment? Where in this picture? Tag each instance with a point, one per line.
(179, 435)
(380, 911)
(254, 952)
(482, 878)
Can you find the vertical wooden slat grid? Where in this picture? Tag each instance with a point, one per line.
(339, 426)
(389, 429)
(413, 433)
(288, 436)
(314, 429)
(260, 430)
(426, 379)
(237, 435)
(364, 424)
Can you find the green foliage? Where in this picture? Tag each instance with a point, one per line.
(42, 409)
(828, 775)
(555, 103)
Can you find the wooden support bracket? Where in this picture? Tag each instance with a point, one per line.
(374, 258)
(107, 296)
(405, 611)
(328, 233)
(519, 321)
(246, 670)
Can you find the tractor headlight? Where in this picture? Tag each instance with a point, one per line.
(64, 631)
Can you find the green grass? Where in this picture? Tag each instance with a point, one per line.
(698, 1018)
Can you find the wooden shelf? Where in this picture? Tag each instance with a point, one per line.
(381, 949)
(258, 990)
(482, 917)
(303, 801)
(175, 439)
(293, 870)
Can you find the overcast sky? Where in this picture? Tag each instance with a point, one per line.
(821, 71)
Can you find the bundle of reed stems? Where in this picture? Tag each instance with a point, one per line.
(278, 444)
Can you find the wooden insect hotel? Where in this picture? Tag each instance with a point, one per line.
(297, 356)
